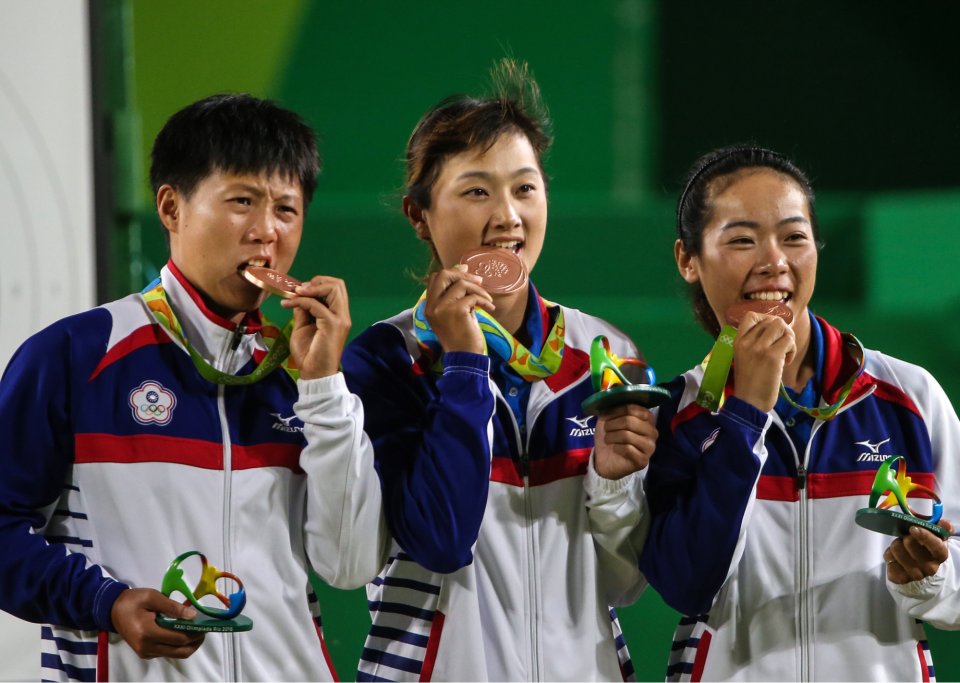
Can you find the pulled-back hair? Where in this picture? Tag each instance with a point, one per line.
(235, 134)
(709, 177)
(460, 122)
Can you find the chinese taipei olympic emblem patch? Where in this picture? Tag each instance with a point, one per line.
(152, 404)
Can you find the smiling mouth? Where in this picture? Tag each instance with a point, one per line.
(774, 295)
(514, 245)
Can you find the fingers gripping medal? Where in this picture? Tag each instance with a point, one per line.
(611, 385)
(895, 489)
(721, 357)
(208, 618)
(503, 272)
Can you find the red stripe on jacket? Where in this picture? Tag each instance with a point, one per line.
(834, 485)
(140, 337)
(206, 455)
(546, 471)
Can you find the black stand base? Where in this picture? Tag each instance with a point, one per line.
(893, 523)
(205, 624)
(640, 394)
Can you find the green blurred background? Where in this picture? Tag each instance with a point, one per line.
(863, 94)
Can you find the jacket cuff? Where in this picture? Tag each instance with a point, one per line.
(458, 361)
(109, 591)
(598, 487)
(322, 386)
(744, 413)
(924, 589)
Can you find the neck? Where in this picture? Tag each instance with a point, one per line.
(803, 366)
(510, 309)
(208, 301)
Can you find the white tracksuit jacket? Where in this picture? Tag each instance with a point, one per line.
(266, 480)
(803, 595)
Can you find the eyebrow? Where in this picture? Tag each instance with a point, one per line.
(258, 192)
(486, 176)
(755, 225)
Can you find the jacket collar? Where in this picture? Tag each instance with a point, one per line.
(840, 361)
(211, 335)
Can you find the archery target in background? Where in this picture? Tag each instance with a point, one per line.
(46, 204)
(46, 168)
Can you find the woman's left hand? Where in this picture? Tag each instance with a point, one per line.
(624, 440)
(916, 556)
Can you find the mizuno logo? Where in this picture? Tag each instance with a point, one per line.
(283, 423)
(581, 429)
(874, 454)
(874, 447)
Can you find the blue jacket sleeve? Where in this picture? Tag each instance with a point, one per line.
(40, 581)
(701, 479)
(431, 444)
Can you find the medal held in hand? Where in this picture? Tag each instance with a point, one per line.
(503, 272)
(271, 280)
(895, 488)
(612, 386)
(208, 619)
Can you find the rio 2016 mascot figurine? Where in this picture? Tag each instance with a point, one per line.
(207, 619)
(613, 388)
(897, 487)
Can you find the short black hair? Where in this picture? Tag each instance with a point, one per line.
(236, 133)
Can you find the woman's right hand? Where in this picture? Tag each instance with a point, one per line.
(452, 294)
(764, 345)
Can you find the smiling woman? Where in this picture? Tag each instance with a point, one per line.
(756, 481)
(511, 536)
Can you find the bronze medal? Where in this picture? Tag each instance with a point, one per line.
(271, 281)
(502, 271)
(736, 312)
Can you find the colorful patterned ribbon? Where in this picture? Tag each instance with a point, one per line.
(499, 341)
(277, 341)
(716, 368)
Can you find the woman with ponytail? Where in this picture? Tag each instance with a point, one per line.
(760, 469)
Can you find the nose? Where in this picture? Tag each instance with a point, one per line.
(264, 230)
(505, 215)
(771, 260)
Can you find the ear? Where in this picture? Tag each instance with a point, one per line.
(689, 266)
(417, 218)
(170, 208)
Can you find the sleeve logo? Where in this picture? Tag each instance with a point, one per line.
(152, 404)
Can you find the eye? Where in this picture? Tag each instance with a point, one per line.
(525, 189)
(288, 209)
(476, 192)
(797, 237)
(741, 241)
(245, 201)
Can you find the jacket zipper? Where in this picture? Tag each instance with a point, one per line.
(805, 607)
(533, 579)
(231, 650)
(533, 574)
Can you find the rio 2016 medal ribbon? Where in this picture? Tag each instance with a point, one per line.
(612, 387)
(208, 619)
(896, 489)
(271, 280)
(502, 271)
